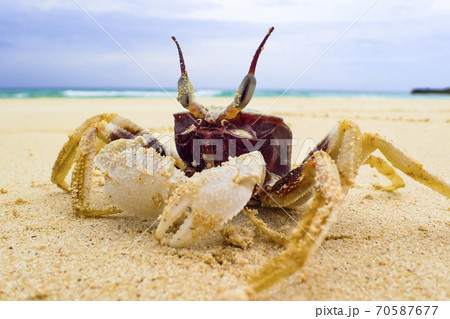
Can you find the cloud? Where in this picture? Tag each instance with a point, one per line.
(52, 42)
(252, 11)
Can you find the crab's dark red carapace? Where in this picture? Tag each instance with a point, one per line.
(205, 144)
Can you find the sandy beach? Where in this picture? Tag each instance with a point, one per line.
(384, 246)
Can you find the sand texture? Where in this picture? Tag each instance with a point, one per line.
(392, 246)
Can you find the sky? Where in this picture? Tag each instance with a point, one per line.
(394, 45)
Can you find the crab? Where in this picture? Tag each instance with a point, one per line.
(224, 160)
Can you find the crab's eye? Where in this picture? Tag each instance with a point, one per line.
(185, 92)
(245, 91)
(242, 97)
(186, 89)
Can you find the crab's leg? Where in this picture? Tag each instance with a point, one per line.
(387, 170)
(405, 163)
(94, 138)
(324, 180)
(290, 188)
(321, 171)
(351, 148)
(296, 188)
(343, 144)
(67, 154)
(264, 228)
(92, 141)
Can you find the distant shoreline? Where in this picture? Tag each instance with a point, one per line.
(27, 93)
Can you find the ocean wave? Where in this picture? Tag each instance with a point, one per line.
(113, 93)
(14, 95)
(135, 93)
(209, 93)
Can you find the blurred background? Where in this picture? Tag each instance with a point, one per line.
(393, 47)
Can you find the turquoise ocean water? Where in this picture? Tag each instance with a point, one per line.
(21, 93)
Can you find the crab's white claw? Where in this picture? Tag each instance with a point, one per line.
(137, 179)
(209, 199)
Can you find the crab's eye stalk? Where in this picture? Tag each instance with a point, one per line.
(247, 87)
(186, 95)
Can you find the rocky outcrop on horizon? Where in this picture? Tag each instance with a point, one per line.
(430, 91)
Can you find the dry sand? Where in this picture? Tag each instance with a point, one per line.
(391, 246)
